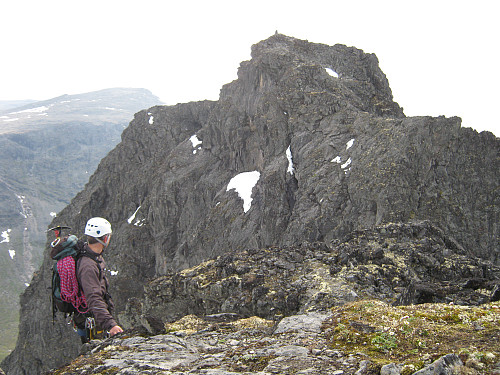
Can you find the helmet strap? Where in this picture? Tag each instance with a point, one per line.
(104, 243)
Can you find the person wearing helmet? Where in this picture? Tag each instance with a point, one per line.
(94, 283)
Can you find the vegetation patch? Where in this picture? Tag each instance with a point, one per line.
(188, 324)
(81, 364)
(416, 335)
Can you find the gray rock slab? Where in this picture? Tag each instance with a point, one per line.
(310, 322)
(446, 365)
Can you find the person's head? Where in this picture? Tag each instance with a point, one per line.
(98, 230)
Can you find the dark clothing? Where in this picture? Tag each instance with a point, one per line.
(92, 279)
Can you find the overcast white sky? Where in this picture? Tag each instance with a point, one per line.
(440, 56)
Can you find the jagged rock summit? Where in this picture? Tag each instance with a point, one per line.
(307, 145)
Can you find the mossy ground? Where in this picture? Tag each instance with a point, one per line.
(418, 334)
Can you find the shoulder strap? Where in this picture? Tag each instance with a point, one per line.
(84, 253)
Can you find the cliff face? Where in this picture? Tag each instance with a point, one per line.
(313, 133)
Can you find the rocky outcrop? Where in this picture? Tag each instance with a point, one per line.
(306, 146)
(376, 339)
(402, 264)
(295, 289)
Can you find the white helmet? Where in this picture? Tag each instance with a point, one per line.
(97, 227)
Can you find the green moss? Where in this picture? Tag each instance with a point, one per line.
(384, 342)
(406, 334)
(110, 371)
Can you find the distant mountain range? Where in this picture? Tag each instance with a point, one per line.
(110, 106)
(9, 104)
(48, 150)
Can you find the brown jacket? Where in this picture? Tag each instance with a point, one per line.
(95, 288)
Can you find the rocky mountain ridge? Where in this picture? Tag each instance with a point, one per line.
(306, 146)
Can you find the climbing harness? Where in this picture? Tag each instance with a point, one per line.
(91, 329)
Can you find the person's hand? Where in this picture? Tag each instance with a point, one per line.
(116, 329)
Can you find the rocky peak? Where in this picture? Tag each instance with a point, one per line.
(290, 71)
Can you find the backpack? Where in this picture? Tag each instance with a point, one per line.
(67, 295)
